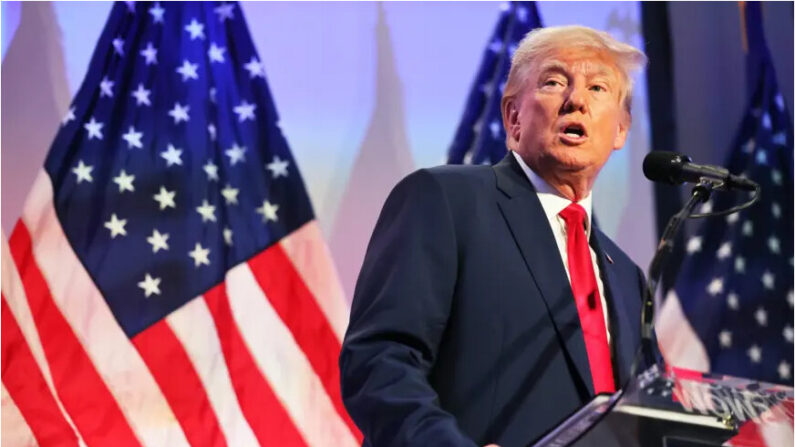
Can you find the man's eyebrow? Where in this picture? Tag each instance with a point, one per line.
(552, 66)
(556, 66)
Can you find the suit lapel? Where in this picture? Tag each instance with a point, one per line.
(528, 223)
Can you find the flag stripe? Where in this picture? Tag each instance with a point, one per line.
(78, 384)
(296, 307)
(25, 384)
(75, 296)
(678, 341)
(15, 430)
(283, 363)
(262, 409)
(174, 373)
(204, 350)
(311, 258)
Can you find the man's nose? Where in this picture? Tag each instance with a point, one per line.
(576, 100)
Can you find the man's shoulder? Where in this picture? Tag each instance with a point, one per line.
(455, 176)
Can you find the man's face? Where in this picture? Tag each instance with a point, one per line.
(568, 117)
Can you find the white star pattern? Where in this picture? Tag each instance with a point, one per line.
(157, 13)
(116, 226)
(207, 211)
(227, 236)
(106, 87)
(224, 11)
(748, 228)
(268, 211)
(779, 102)
(245, 111)
(761, 156)
(715, 286)
(165, 198)
(755, 353)
(780, 138)
(773, 244)
(521, 14)
(179, 113)
(766, 121)
(494, 127)
(70, 115)
(141, 96)
(789, 298)
(278, 167)
(739, 264)
(784, 370)
(172, 155)
(158, 240)
(732, 218)
(694, 244)
(725, 338)
(775, 209)
(255, 68)
(768, 280)
(124, 181)
(118, 46)
(749, 146)
(775, 175)
(495, 46)
(195, 29)
(725, 250)
(150, 285)
(230, 195)
(216, 53)
(150, 54)
(761, 316)
(188, 70)
(211, 169)
(211, 130)
(706, 207)
(94, 129)
(83, 172)
(200, 255)
(133, 138)
(788, 333)
(236, 154)
(212, 94)
(733, 301)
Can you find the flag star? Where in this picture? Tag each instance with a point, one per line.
(195, 29)
(495, 46)
(224, 11)
(141, 96)
(788, 333)
(761, 316)
(216, 53)
(789, 298)
(512, 48)
(773, 244)
(150, 285)
(761, 157)
(749, 146)
(150, 54)
(775, 175)
(124, 181)
(118, 46)
(133, 138)
(172, 155)
(230, 195)
(725, 250)
(739, 264)
(116, 226)
(694, 244)
(779, 101)
(200, 255)
(780, 138)
(502, 87)
(158, 240)
(521, 14)
(157, 13)
(255, 68)
(212, 94)
(768, 280)
(268, 211)
(179, 113)
(227, 236)
(766, 121)
(236, 153)
(70, 115)
(725, 338)
(188, 70)
(748, 228)
(732, 218)
(775, 209)
(706, 208)
(495, 129)
(715, 286)
(207, 211)
(211, 169)
(165, 198)
(755, 353)
(733, 301)
(130, 6)
(784, 370)
(212, 131)
(245, 111)
(278, 167)
(83, 172)
(106, 87)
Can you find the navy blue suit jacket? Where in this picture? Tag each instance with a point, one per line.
(463, 329)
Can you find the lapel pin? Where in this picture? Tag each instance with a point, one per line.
(609, 259)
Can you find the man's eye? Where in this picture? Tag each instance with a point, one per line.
(598, 88)
(552, 82)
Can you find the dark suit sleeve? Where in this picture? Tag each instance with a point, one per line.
(399, 313)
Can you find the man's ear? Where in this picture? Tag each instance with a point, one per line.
(622, 131)
(510, 119)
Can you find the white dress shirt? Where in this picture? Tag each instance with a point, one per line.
(553, 203)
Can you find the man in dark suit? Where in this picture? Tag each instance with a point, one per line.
(488, 307)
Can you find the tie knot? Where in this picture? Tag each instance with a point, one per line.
(573, 214)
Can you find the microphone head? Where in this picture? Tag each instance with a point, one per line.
(665, 166)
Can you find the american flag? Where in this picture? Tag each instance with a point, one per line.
(480, 137)
(731, 310)
(167, 283)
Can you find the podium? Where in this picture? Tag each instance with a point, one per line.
(679, 408)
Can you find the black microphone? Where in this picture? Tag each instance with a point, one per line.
(676, 168)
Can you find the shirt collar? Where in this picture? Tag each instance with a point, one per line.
(551, 200)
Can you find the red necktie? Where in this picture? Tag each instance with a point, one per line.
(586, 295)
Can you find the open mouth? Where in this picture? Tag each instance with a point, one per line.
(573, 133)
